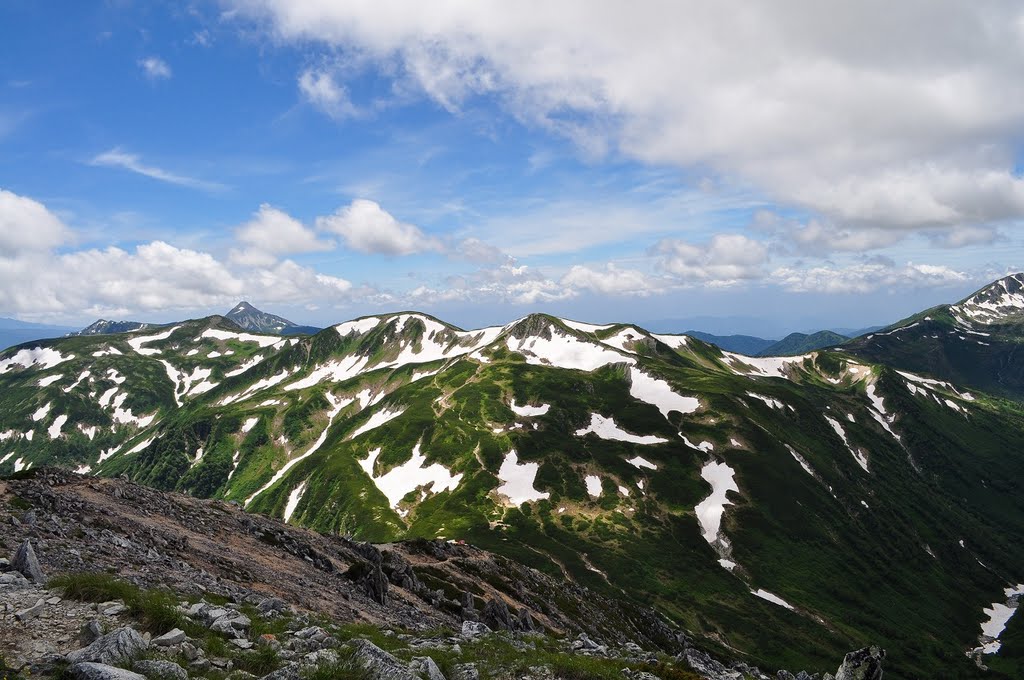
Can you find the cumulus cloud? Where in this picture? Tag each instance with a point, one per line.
(272, 232)
(38, 280)
(866, 277)
(320, 89)
(27, 225)
(155, 68)
(724, 260)
(613, 281)
(914, 128)
(368, 228)
(116, 158)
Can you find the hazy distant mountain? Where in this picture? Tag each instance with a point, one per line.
(801, 343)
(14, 331)
(743, 344)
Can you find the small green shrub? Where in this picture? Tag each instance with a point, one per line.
(259, 662)
(93, 587)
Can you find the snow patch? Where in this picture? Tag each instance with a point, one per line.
(774, 403)
(772, 597)
(333, 371)
(293, 501)
(409, 476)
(528, 411)
(861, 459)
(593, 483)
(358, 326)
(565, 351)
(44, 357)
(49, 380)
(58, 423)
(41, 412)
(376, 420)
(518, 480)
(641, 463)
(585, 327)
(710, 510)
(249, 424)
(659, 393)
(606, 428)
(137, 342)
(262, 340)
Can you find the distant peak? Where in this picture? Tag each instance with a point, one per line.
(997, 301)
(243, 306)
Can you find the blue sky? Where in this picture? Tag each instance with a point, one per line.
(480, 161)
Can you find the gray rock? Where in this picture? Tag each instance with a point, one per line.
(26, 562)
(160, 670)
(289, 671)
(496, 615)
(427, 667)
(117, 647)
(88, 670)
(272, 604)
(175, 636)
(231, 625)
(863, 664)
(242, 643)
(321, 657)
(473, 629)
(5, 564)
(465, 671)
(703, 664)
(115, 610)
(14, 580)
(379, 664)
(90, 632)
(31, 612)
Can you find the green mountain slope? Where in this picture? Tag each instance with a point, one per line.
(975, 342)
(782, 509)
(800, 343)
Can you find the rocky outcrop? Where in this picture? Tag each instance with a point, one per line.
(115, 648)
(27, 564)
(863, 664)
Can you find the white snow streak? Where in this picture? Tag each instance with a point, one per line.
(710, 510)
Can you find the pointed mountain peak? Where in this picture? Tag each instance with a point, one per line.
(243, 306)
(252, 319)
(997, 302)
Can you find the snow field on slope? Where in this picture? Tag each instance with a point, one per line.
(606, 428)
(528, 411)
(710, 510)
(659, 393)
(517, 480)
(44, 357)
(860, 457)
(409, 476)
(137, 342)
(565, 351)
(377, 419)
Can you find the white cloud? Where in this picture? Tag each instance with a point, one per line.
(724, 260)
(116, 158)
(272, 232)
(368, 228)
(866, 277)
(613, 281)
(913, 128)
(26, 225)
(320, 89)
(155, 68)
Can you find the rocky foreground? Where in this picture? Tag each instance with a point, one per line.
(110, 580)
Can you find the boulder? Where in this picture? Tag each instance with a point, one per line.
(175, 636)
(26, 562)
(379, 664)
(90, 632)
(31, 612)
(473, 629)
(160, 670)
(117, 647)
(14, 580)
(426, 667)
(496, 615)
(88, 670)
(863, 664)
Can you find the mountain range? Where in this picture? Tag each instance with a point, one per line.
(781, 509)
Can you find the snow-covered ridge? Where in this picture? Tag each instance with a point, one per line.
(993, 303)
